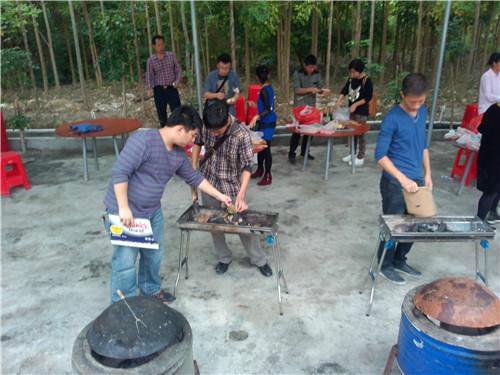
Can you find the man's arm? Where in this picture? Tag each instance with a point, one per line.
(121, 193)
(407, 184)
(177, 70)
(235, 84)
(427, 169)
(240, 202)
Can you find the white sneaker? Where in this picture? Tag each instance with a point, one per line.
(358, 162)
(346, 159)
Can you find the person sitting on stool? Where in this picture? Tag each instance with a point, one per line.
(163, 74)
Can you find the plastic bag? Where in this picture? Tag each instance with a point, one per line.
(341, 114)
(307, 115)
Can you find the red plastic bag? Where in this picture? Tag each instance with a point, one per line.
(307, 115)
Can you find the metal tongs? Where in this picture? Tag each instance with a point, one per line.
(137, 320)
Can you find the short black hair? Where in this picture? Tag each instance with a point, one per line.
(216, 114)
(414, 84)
(494, 58)
(310, 60)
(153, 41)
(224, 58)
(262, 73)
(186, 116)
(358, 65)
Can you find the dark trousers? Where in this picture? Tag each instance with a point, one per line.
(359, 140)
(487, 203)
(393, 203)
(265, 159)
(294, 142)
(163, 96)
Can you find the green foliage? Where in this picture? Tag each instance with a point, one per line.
(392, 92)
(15, 64)
(19, 122)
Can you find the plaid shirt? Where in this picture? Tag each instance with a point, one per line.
(162, 72)
(224, 168)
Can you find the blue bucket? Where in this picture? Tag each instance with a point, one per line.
(425, 348)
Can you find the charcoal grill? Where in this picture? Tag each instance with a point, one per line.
(407, 228)
(253, 222)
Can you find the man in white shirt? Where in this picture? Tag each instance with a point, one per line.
(489, 88)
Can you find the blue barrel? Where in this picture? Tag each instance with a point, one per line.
(425, 348)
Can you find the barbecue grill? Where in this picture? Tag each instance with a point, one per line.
(406, 228)
(205, 219)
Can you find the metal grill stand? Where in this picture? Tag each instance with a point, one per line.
(391, 233)
(187, 224)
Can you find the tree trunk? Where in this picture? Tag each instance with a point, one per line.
(418, 47)
(474, 39)
(40, 54)
(84, 57)
(187, 42)
(93, 49)
(395, 52)
(124, 94)
(158, 19)
(207, 67)
(138, 57)
(357, 35)
(247, 57)
(172, 29)
(383, 39)
(329, 46)
(70, 52)
(233, 39)
(372, 26)
(488, 31)
(148, 28)
(51, 46)
(78, 55)
(26, 46)
(102, 8)
(338, 50)
(314, 30)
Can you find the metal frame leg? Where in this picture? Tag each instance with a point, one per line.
(483, 276)
(306, 156)
(466, 173)
(85, 166)
(328, 157)
(94, 149)
(280, 276)
(181, 262)
(115, 145)
(387, 246)
(186, 257)
(353, 155)
(370, 270)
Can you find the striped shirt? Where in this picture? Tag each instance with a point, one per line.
(162, 72)
(224, 168)
(147, 166)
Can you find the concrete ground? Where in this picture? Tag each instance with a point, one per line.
(56, 267)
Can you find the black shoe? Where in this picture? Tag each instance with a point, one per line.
(309, 157)
(405, 268)
(164, 297)
(493, 218)
(391, 274)
(221, 268)
(292, 159)
(266, 270)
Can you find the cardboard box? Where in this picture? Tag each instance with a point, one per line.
(421, 203)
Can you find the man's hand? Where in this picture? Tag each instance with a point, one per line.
(149, 93)
(240, 203)
(428, 181)
(253, 121)
(225, 199)
(230, 101)
(126, 216)
(352, 108)
(315, 90)
(194, 195)
(409, 185)
(220, 95)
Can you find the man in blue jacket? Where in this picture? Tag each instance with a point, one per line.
(402, 153)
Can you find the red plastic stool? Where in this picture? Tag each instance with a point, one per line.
(459, 166)
(13, 172)
(471, 111)
(253, 96)
(240, 109)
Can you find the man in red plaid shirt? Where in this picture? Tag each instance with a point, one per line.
(228, 168)
(163, 73)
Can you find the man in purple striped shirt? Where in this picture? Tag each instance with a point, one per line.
(148, 161)
(163, 73)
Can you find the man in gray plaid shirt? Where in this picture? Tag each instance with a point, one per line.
(228, 168)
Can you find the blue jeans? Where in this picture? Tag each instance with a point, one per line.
(123, 270)
(393, 203)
